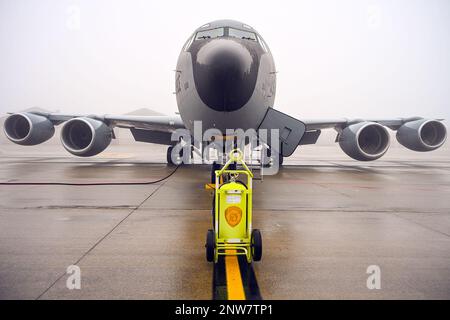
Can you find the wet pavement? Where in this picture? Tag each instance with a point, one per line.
(324, 220)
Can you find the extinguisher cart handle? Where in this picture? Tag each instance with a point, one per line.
(237, 156)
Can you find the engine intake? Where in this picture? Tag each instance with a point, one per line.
(28, 129)
(422, 135)
(364, 141)
(85, 137)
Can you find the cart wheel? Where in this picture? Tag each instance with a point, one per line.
(256, 245)
(210, 245)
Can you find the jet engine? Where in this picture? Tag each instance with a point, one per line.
(85, 137)
(28, 129)
(364, 141)
(422, 135)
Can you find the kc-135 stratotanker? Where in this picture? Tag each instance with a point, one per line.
(226, 79)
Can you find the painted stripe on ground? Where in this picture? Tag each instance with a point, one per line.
(234, 279)
(235, 288)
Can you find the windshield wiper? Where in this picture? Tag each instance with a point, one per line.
(248, 38)
(204, 37)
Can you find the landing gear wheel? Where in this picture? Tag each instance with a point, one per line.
(280, 156)
(169, 156)
(266, 163)
(280, 160)
(265, 158)
(210, 245)
(256, 245)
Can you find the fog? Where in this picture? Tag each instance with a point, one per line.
(372, 59)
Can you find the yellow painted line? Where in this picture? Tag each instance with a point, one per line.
(235, 288)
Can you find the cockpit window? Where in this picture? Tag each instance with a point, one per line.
(241, 34)
(188, 43)
(209, 34)
(263, 44)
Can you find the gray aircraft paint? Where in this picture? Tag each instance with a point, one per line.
(191, 106)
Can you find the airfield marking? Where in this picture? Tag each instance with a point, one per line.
(234, 279)
(235, 288)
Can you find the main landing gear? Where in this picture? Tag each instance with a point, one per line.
(267, 159)
(179, 158)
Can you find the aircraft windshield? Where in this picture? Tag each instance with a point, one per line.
(209, 34)
(241, 34)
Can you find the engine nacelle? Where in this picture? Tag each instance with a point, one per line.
(364, 141)
(85, 137)
(422, 135)
(28, 129)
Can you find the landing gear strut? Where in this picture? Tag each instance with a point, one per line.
(215, 166)
(280, 160)
(266, 163)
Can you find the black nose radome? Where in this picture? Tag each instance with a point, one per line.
(225, 73)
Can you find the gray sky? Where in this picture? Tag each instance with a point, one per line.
(354, 58)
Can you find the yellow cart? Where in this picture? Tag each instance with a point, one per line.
(233, 234)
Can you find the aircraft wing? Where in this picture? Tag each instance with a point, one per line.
(394, 124)
(152, 129)
(158, 123)
(361, 139)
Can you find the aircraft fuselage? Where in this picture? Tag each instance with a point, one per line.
(225, 77)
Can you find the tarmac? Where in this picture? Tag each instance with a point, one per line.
(324, 218)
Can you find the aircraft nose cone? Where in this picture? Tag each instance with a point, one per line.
(225, 73)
